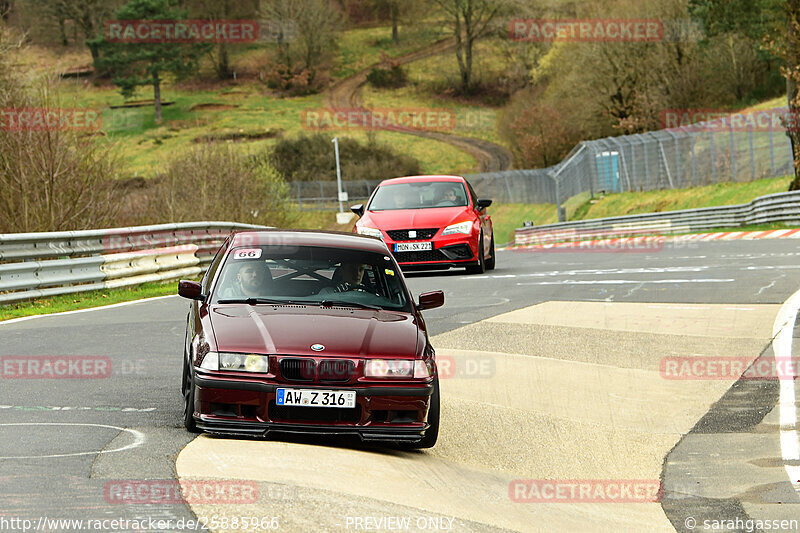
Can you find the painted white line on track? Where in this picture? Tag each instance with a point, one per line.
(622, 281)
(783, 331)
(137, 435)
(121, 304)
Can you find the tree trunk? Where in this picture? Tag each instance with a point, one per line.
(792, 55)
(63, 31)
(223, 62)
(393, 9)
(157, 97)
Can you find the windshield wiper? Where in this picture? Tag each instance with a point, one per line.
(338, 303)
(258, 301)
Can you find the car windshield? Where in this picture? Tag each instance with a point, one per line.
(418, 195)
(312, 275)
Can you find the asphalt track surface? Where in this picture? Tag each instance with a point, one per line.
(64, 441)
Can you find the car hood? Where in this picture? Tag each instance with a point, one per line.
(293, 329)
(434, 217)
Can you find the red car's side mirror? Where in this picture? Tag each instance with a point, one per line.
(190, 289)
(430, 300)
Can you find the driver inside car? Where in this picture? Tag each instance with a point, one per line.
(252, 280)
(347, 277)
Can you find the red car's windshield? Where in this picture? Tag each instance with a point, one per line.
(312, 274)
(419, 195)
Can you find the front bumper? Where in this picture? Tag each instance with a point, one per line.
(247, 407)
(448, 251)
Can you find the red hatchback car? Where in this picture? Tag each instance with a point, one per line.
(309, 332)
(430, 222)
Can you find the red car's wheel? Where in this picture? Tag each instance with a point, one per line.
(490, 262)
(479, 268)
(188, 399)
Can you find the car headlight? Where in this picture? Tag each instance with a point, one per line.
(238, 362)
(383, 368)
(370, 232)
(461, 227)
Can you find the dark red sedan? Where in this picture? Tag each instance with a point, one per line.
(430, 222)
(309, 332)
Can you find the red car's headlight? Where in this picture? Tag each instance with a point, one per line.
(461, 227)
(383, 368)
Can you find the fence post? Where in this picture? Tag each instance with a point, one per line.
(771, 151)
(733, 154)
(713, 155)
(752, 155)
(299, 198)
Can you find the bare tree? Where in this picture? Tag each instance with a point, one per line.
(469, 20)
(51, 179)
(312, 27)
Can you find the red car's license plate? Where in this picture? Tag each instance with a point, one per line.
(413, 246)
(316, 398)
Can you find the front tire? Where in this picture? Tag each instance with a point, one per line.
(432, 433)
(188, 399)
(480, 268)
(490, 262)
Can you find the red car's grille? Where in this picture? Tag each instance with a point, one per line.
(402, 234)
(416, 257)
(327, 371)
(314, 414)
(336, 370)
(298, 369)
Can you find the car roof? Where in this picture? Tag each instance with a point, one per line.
(332, 239)
(412, 179)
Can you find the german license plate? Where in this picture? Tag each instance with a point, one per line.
(413, 246)
(316, 398)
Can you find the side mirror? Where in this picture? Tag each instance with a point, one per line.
(358, 209)
(430, 300)
(191, 290)
(483, 203)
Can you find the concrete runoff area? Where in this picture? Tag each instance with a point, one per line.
(558, 391)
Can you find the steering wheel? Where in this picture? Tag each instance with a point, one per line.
(345, 287)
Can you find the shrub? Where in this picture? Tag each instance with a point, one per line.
(390, 78)
(311, 158)
(213, 182)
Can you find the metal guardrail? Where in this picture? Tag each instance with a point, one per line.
(34, 265)
(780, 207)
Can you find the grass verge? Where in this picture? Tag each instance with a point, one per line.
(86, 300)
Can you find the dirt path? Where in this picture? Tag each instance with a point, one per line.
(347, 94)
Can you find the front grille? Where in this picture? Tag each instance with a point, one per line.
(422, 255)
(336, 370)
(402, 234)
(314, 414)
(298, 369)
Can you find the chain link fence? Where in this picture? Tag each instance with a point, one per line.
(700, 154)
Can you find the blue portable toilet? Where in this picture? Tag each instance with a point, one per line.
(608, 171)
